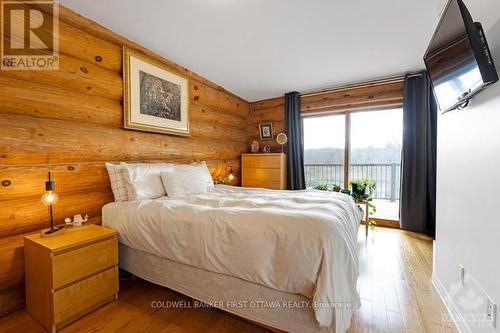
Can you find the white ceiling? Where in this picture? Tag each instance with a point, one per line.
(263, 48)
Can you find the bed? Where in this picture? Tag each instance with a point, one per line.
(284, 259)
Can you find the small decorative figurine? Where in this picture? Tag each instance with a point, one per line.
(255, 147)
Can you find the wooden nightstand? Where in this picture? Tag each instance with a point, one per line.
(70, 275)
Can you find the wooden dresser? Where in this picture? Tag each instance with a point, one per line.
(264, 170)
(70, 275)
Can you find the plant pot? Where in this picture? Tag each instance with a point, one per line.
(336, 188)
(357, 191)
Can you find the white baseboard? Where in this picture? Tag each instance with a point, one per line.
(452, 309)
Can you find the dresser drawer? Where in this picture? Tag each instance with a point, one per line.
(269, 184)
(78, 298)
(82, 262)
(261, 174)
(262, 161)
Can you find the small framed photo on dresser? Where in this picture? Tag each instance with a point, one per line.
(266, 131)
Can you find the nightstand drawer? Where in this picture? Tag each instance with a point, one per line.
(77, 299)
(82, 262)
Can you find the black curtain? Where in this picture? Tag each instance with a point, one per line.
(418, 165)
(295, 147)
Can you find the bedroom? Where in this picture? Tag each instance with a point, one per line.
(178, 147)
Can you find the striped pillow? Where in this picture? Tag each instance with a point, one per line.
(115, 173)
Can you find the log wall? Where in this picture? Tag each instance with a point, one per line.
(69, 121)
(267, 111)
(356, 98)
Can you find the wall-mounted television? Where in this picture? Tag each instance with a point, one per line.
(458, 59)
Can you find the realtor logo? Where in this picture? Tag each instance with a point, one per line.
(30, 35)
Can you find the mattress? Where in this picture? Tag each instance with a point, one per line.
(296, 242)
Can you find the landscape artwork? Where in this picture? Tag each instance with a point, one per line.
(160, 98)
(156, 97)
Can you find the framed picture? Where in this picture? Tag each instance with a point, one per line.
(266, 131)
(156, 99)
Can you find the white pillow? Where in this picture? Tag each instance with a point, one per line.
(200, 168)
(115, 173)
(184, 181)
(143, 181)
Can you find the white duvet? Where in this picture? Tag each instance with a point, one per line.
(302, 242)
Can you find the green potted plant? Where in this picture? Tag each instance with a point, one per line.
(321, 185)
(359, 189)
(324, 185)
(364, 189)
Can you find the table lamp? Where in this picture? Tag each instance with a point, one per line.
(50, 198)
(230, 175)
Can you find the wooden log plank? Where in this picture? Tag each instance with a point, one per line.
(76, 75)
(11, 262)
(206, 130)
(37, 141)
(25, 98)
(268, 103)
(218, 99)
(84, 38)
(11, 274)
(368, 106)
(274, 114)
(79, 44)
(25, 215)
(20, 182)
(200, 112)
(70, 17)
(376, 94)
(24, 182)
(12, 299)
(32, 99)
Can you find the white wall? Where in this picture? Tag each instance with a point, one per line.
(468, 195)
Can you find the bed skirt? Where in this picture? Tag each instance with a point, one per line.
(257, 303)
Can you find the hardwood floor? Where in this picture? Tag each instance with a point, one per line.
(395, 285)
(395, 289)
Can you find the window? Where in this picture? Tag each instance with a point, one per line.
(372, 140)
(324, 146)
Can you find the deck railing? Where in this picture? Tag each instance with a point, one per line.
(386, 176)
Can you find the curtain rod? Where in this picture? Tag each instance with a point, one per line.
(388, 79)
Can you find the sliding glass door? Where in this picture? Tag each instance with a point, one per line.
(375, 154)
(355, 146)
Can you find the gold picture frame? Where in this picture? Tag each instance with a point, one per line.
(155, 97)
